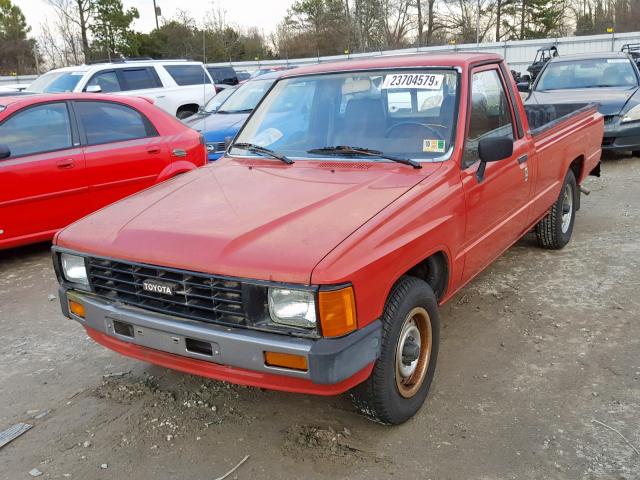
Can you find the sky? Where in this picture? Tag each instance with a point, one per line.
(264, 14)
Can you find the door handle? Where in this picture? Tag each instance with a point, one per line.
(523, 158)
(152, 150)
(66, 164)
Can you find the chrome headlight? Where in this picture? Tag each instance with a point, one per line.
(632, 115)
(296, 308)
(74, 269)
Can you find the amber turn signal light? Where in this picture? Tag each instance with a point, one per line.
(337, 311)
(76, 308)
(285, 360)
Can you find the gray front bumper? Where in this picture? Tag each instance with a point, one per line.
(330, 360)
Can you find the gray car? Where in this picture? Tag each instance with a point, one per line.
(611, 80)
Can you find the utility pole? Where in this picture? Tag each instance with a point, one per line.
(35, 55)
(155, 14)
(478, 25)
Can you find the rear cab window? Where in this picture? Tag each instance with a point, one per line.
(185, 75)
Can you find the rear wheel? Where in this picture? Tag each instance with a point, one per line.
(402, 375)
(554, 230)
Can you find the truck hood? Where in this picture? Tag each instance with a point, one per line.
(250, 218)
(610, 100)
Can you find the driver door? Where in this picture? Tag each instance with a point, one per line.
(497, 204)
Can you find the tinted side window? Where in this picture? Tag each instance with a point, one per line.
(188, 74)
(139, 78)
(44, 128)
(108, 81)
(106, 122)
(490, 115)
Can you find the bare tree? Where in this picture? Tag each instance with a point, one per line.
(80, 13)
(397, 22)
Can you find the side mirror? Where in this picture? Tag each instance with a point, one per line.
(93, 89)
(492, 150)
(523, 87)
(5, 152)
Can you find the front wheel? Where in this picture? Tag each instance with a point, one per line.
(554, 230)
(402, 375)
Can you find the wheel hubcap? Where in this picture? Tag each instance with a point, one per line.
(567, 208)
(413, 352)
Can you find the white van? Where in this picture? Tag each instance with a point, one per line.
(179, 87)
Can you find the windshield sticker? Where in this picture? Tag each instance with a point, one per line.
(77, 73)
(433, 146)
(617, 60)
(426, 81)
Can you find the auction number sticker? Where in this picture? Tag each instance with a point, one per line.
(427, 81)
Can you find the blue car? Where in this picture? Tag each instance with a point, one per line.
(218, 122)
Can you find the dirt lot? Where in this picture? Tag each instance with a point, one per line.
(535, 352)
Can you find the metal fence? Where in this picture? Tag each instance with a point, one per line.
(519, 53)
(17, 79)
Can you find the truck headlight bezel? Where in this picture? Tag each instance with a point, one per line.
(74, 269)
(292, 307)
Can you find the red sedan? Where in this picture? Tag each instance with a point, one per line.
(63, 156)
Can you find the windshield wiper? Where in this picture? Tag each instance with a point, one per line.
(346, 150)
(251, 147)
(244, 110)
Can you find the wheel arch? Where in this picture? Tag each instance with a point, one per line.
(173, 169)
(577, 167)
(435, 270)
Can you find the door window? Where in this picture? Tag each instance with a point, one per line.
(40, 129)
(188, 74)
(107, 122)
(108, 82)
(140, 78)
(490, 115)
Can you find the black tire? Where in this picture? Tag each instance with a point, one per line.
(552, 232)
(379, 397)
(182, 114)
(635, 153)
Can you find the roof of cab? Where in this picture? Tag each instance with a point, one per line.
(458, 59)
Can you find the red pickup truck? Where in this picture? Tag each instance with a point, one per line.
(313, 256)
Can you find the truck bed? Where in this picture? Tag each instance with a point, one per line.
(546, 116)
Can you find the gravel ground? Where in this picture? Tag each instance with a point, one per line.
(535, 353)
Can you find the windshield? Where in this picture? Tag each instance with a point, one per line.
(56, 82)
(588, 73)
(404, 113)
(246, 97)
(214, 104)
